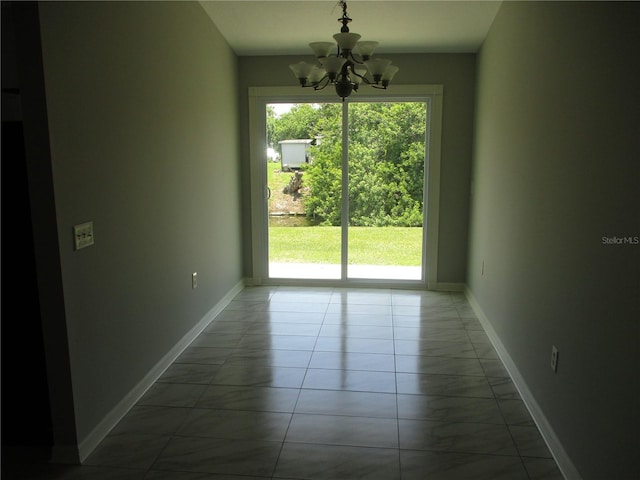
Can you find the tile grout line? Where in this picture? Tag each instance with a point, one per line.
(395, 373)
(295, 406)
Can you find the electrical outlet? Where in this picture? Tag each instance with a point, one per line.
(194, 280)
(83, 235)
(554, 358)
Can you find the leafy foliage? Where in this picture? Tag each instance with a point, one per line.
(300, 122)
(386, 160)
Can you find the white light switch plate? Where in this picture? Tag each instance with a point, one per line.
(83, 235)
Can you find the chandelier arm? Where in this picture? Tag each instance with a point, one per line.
(364, 79)
(319, 85)
(353, 59)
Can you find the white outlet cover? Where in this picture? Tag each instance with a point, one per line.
(83, 235)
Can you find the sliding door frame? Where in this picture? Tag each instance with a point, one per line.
(260, 97)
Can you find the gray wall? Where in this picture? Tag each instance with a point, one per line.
(456, 72)
(556, 168)
(143, 122)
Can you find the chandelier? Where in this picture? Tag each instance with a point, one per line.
(347, 68)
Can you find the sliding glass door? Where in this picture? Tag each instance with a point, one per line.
(381, 156)
(304, 180)
(344, 192)
(386, 160)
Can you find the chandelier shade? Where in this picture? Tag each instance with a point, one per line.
(366, 48)
(317, 74)
(377, 66)
(321, 49)
(347, 41)
(301, 69)
(389, 73)
(333, 64)
(345, 63)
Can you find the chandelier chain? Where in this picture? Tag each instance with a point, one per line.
(345, 20)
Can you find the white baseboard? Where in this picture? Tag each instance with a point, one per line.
(558, 452)
(450, 287)
(91, 441)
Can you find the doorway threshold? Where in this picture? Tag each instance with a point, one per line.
(320, 271)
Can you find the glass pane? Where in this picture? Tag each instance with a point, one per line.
(386, 190)
(304, 177)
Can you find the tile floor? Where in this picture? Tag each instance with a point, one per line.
(327, 383)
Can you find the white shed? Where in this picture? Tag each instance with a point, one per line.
(294, 152)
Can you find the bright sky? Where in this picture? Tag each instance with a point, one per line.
(281, 108)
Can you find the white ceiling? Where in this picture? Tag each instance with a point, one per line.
(287, 27)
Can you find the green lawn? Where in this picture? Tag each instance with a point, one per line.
(367, 245)
(400, 246)
(275, 178)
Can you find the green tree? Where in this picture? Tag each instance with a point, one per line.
(323, 175)
(298, 123)
(272, 120)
